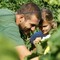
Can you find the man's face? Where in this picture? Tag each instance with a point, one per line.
(46, 27)
(29, 25)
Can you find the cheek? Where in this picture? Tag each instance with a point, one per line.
(27, 25)
(49, 28)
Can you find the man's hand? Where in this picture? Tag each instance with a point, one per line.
(37, 40)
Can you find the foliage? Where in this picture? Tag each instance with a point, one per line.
(53, 5)
(7, 51)
(54, 42)
(53, 2)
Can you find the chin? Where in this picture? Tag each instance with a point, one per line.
(26, 33)
(45, 33)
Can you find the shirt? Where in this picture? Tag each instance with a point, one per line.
(9, 27)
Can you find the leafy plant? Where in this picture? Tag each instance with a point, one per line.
(54, 41)
(7, 50)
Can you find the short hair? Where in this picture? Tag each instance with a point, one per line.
(28, 9)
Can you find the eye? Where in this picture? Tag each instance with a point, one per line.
(21, 16)
(33, 25)
(45, 26)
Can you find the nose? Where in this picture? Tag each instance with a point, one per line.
(33, 28)
(43, 28)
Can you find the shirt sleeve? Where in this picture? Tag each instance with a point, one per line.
(9, 27)
(12, 32)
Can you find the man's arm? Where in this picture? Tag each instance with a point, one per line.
(22, 51)
(36, 58)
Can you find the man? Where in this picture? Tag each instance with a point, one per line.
(27, 18)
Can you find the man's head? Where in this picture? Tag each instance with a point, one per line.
(28, 17)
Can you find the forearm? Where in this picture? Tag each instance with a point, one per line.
(23, 52)
(36, 58)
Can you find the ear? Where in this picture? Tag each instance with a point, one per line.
(19, 18)
(54, 24)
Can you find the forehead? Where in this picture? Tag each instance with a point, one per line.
(34, 20)
(45, 22)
